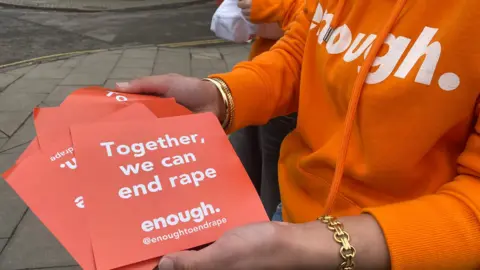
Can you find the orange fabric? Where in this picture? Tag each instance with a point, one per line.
(259, 46)
(338, 13)
(413, 159)
(355, 99)
(271, 11)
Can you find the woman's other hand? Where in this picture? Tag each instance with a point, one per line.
(195, 94)
(246, 6)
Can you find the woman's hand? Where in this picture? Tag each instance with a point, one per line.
(246, 6)
(269, 245)
(285, 246)
(195, 94)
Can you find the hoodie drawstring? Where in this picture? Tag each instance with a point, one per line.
(335, 21)
(356, 94)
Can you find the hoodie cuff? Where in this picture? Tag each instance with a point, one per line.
(251, 105)
(428, 233)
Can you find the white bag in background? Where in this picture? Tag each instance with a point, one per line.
(228, 23)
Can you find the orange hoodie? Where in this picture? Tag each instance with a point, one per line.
(271, 11)
(397, 84)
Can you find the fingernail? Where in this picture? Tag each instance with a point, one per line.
(165, 264)
(122, 85)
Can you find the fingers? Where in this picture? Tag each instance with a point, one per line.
(157, 85)
(246, 13)
(246, 6)
(241, 248)
(122, 86)
(188, 260)
(180, 261)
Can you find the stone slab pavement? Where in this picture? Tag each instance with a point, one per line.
(98, 5)
(24, 242)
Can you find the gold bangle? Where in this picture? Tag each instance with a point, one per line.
(225, 100)
(230, 103)
(347, 251)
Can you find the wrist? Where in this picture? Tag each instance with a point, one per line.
(368, 239)
(316, 248)
(227, 110)
(217, 101)
(313, 247)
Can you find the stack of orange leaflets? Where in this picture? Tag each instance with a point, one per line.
(124, 179)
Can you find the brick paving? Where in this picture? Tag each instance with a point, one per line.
(24, 242)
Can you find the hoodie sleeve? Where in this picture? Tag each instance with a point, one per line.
(440, 231)
(268, 86)
(270, 11)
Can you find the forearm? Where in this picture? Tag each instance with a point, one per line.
(268, 86)
(259, 98)
(433, 232)
(317, 249)
(439, 231)
(442, 230)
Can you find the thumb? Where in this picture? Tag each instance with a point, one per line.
(154, 85)
(185, 260)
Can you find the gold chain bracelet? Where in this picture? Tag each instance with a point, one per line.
(227, 100)
(347, 251)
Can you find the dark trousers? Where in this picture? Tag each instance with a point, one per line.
(258, 147)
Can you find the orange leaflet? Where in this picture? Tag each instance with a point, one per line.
(88, 95)
(88, 104)
(51, 188)
(52, 124)
(167, 185)
(51, 195)
(99, 94)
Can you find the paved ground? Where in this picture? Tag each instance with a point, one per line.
(24, 242)
(33, 33)
(98, 5)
